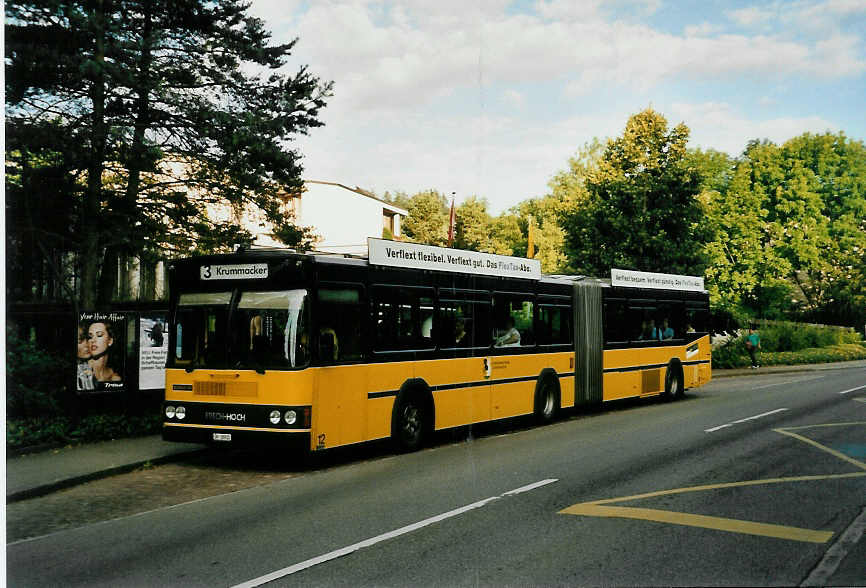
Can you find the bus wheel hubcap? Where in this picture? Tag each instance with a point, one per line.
(548, 403)
(411, 422)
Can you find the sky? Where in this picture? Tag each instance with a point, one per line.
(490, 98)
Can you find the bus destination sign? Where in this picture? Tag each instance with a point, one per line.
(633, 279)
(237, 271)
(443, 259)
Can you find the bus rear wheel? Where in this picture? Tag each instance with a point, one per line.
(409, 422)
(674, 382)
(546, 403)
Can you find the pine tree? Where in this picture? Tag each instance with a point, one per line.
(154, 110)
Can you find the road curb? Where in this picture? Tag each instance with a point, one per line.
(791, 369)
(45, 489)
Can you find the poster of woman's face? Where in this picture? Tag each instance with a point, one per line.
(100, 351)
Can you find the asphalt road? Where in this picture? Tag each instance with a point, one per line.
(755, 480)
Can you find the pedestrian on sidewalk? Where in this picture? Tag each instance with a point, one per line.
(753, 343)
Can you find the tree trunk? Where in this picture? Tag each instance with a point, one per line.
(108, 281)
(137, 161)
(93, 195)
(147, 285)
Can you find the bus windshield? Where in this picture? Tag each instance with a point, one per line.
(201, 327)
(265, 330)
(271, 329)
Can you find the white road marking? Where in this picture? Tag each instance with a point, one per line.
(751, 418)
(386, 536)
(828, 565)
(852, 390)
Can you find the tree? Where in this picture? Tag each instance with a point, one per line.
(157, 109)
(506, 236)
(568, 186)
(715, 168)
(814, 190)
(639, 208)
(428, 218)
(472, 225)
(744, 267)
(548, 237)
(398, 198)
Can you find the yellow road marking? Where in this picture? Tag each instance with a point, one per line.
(596, 508)
(829, 450)
(702, 521)
(729, 485)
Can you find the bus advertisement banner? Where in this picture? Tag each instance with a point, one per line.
(100, 364)
(417, 256)
(634, 279)
(152, 351)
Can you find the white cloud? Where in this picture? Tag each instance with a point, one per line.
(719, 126)
(704, 29)
(751, 16)
(514, 98)
(481, 98)
(407, 61)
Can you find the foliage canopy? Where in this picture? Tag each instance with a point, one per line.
(139, 117)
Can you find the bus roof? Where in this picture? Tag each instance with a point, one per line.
(360, 261)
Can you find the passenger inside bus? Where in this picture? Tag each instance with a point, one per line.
(329, 348)
(649, 331)
(510, 336)
(461, 339)
(255, 329)
(666, 330)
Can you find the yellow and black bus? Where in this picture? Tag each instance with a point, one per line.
(277, 347)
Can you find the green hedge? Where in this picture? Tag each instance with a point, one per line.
(734, 355)
(35, 379)
(786, 336)
(61, 430)
(40, 408)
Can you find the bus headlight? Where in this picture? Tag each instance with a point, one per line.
(291, 417)
(169, 412)
(275, 417)
(180, 412)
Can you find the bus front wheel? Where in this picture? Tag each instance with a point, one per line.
(409, 423)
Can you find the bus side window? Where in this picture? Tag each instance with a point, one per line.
(339, 316)
(402, 318)
(616, 323)
(697, 317)
(642, 323)
(513, 311)
(554, 324)
(671, 317)
(471, 316)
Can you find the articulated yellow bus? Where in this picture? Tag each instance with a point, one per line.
(319, 351)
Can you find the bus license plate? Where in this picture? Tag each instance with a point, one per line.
(222, 436)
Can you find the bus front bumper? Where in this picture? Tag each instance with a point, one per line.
(230, 437)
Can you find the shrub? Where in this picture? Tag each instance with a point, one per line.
(787, 336)
(30, 432)
(734, 355)
(35, 379)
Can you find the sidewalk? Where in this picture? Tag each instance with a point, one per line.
(37, 474)
(786, 369)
